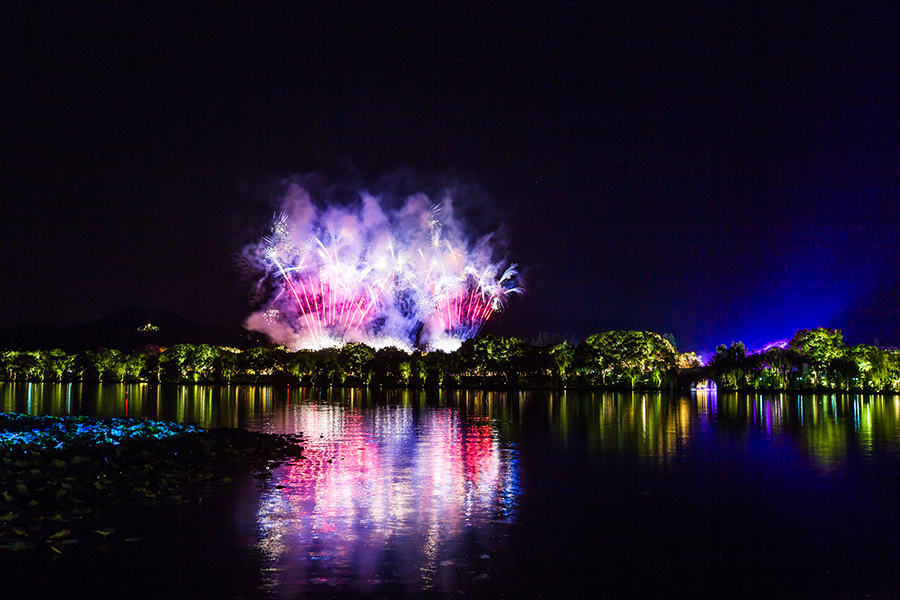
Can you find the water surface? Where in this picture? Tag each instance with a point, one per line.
(532, 494)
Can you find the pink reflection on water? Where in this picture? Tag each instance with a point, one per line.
(386, 495)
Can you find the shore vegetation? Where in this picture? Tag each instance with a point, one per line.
(814, 359)
(59, 476)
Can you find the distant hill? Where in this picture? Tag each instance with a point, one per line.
(127, 330)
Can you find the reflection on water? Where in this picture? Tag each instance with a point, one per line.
(403, 492)
(656, 427)
(210, 406)
(830, 429)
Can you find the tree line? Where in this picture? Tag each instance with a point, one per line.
(814, 359)
(620, 358)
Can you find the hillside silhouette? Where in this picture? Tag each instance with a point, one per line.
(126, 330)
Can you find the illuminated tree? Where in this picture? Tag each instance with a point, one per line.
(391, 366)
(728, 366)
(111, 365)
(879, 369)
(476, 358)
(893, 371)
(7, 358)
(225, 365)
(173, 363)
(779, 367)
(418, 369)
(562, 359)
(87, 366)
(255, 363)
(439, 366)
(632, 358)
(494, 356)
(689, 360)
(516, 359)
(57, 365)
(817, 348)
(301, 366)
(326, 365)
(27, 366)
(355, 361)
(201, 363)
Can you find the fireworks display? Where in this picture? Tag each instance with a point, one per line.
(364, 273)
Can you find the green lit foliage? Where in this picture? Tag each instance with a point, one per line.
(491, 358)
(729, 367)
(327, 367)
(225, 365)
(187, 363)
(256, 363)
(201, 363)
(57, 365)
(174, 362)
(111, 365)
(418, 370)
(818, 348)
(627, 359)
(876, 369)
(391, 366)
(301, 367)
(814, 359)
(780, 368)
(28, 366)
(440, 368)
(7, 359)
(87, 366)
(476, 358)
(354, 361)
(562, 361)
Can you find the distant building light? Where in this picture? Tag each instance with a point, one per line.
(148, 327)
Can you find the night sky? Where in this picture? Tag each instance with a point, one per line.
(719, 173)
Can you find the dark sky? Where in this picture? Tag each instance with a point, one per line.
(720, 173)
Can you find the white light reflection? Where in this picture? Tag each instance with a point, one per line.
(390, 493)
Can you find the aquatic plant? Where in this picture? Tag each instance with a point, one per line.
(56, 470)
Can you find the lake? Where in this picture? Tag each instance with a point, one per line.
(525, 494)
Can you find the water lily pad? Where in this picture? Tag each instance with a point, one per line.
(17, 545)
(61, 463)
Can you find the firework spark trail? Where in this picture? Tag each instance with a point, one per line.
(360, 272)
